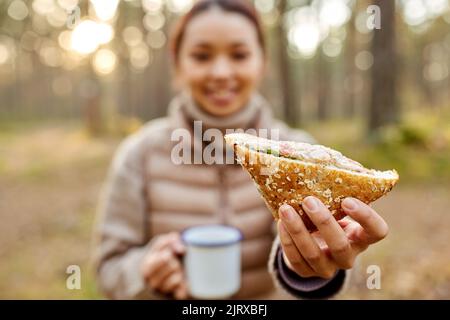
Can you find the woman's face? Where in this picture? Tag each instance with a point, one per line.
(220, 61)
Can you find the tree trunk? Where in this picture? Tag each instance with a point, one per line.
(323, 86)
(289, 105)
(92, 109)
(161, 68)
(350, 72)
(383, 107)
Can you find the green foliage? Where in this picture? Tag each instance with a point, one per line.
(118, 126)
(418, 148)
(419, 130)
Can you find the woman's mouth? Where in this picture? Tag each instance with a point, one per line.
(222, 97)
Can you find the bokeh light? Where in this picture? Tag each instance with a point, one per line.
(132, 36)
(417, 12)
(4, 53)
(68, 5)
(89, 35)
(332, 47)
(153, 21)
(364, 60)
(140, 57)
(152, 5)
(435, 71)
(414, 12)
(18, 10)
(50, 54)
(105, 9)
(310, 25)
(156, 39)
(179, 6)
(57, 17)
(7, 50)
(64, 40)
(305, 34)
(40, 24)
(104, 61)
(334, 13)
(43, 7)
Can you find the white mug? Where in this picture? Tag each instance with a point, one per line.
(212, 261)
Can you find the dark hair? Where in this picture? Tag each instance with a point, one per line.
(243, 7)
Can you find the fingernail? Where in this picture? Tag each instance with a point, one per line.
(179, 248)
(286, 212)
(311, 204)
(349, 204)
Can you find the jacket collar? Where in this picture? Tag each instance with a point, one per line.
(256, 114)
(184, 114)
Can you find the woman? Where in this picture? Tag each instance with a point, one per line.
(219, 59)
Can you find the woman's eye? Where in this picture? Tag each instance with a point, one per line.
(200, 56)
(240, 55)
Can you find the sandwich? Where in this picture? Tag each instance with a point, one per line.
(286, 172)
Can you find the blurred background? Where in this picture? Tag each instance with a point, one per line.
(78, 76)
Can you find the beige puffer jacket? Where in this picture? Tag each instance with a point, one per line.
(147, 194)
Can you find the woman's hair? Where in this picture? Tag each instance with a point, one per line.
(243, 7)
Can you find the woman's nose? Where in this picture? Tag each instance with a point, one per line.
(221, 68)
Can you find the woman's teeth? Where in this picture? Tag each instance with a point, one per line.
(222, 94)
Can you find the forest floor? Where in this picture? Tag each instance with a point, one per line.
(50, 179)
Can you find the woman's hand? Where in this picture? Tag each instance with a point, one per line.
(161, 267)
(336, 243)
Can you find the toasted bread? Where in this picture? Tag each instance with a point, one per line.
(287, 172)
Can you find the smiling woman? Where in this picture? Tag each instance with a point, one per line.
(219, 58)
(221, 64)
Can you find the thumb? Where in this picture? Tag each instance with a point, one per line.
(178, 246)
(181, 293)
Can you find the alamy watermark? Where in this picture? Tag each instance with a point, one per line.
(207, 146)
(73, 281)
(374, 18)
(374, 279)
(73, 17)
